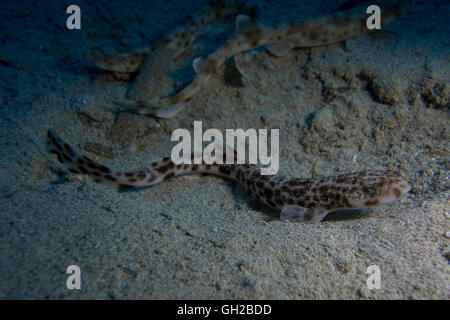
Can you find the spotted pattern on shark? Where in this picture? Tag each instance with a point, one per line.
(278, 39)
(154, 61)
(306, 200)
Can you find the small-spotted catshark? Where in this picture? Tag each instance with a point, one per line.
(278, 39)
(153, 62)
(307, 200)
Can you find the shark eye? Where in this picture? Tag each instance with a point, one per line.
(371, 191)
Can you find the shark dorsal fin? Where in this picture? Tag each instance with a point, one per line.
(280, 48)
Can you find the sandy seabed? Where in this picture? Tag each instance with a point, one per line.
(378, 101)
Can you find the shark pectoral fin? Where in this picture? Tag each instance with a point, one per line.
(242, 22)
(198, 64)
(280, 48)
(318, 215)
(301, 214)
(295, 213)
